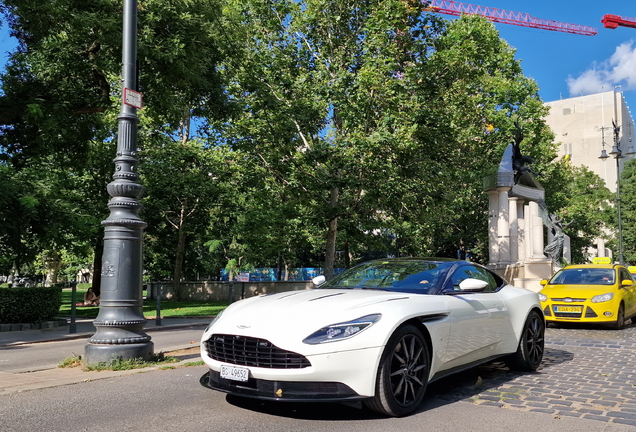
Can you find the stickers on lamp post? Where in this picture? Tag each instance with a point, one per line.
(132, 98)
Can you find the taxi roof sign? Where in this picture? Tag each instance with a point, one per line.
(602, 260)
(631, 269)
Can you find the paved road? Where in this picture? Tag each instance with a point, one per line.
(173, 400)
(586, 373)
(18, 358)
(587, 383)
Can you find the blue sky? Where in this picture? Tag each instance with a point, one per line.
(568, 65)
(564, 65)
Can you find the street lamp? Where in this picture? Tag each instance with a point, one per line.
(120, 322)
(618, 155)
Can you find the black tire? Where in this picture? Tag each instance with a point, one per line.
(402, 374)
(531, 346)
(619, 324)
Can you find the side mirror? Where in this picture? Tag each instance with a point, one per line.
(474, 285)
(319, 280)
(626, 283)
(544, 282)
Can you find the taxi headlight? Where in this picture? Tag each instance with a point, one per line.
(543, 297)
(341, 331)
(602, 298)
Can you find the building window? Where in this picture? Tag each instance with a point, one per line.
(567, 111)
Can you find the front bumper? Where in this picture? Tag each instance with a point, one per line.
(580, 312)
(353, 372)
(297, 391)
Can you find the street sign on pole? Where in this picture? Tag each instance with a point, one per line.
(132, 98)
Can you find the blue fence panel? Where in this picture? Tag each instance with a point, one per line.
(268, 274)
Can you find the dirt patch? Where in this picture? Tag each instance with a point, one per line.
(193, 354)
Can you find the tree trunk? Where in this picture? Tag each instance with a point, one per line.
(52, 262)
(330, 252)
(178, 262)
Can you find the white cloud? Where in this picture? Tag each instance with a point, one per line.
(619, 69)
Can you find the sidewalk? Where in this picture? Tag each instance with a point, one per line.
(84, 329)
(53, 377)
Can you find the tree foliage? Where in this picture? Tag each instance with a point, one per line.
(275, 133)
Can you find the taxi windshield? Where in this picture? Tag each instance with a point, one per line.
(584, 276)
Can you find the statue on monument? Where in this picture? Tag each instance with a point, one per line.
(520, 162)
(555, 225)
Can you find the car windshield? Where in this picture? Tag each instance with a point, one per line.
(584, 276)
(393, 275)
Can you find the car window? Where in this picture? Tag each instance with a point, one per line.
(584, 276)
(624, 275)
(474, 272)
(409, 276)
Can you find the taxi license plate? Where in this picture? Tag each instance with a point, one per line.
(235, 373)
(568, 309)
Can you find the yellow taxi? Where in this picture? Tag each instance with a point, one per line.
(590, 293)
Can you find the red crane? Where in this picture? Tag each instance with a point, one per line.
(612, 21)
(508, 17)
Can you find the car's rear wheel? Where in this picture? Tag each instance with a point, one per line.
(530, 350)
(619, 324)
(402, 374)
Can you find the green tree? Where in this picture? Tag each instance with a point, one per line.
(628, 211)
(61, 94)
(582, 201)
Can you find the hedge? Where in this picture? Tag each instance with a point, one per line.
(28, 305)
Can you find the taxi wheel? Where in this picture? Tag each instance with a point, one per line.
(620, 318)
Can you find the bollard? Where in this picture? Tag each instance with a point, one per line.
(72, 328)
(230, 294)
(158, 317)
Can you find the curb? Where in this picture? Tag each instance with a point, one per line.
(85, 335)
(33, 326)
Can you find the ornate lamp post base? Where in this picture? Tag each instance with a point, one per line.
(95, 354)
(120, 322)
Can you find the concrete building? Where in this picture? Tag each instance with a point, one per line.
(583, 128)
(582, 124)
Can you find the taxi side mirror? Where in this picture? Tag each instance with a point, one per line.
(627, 282)
(544, 282)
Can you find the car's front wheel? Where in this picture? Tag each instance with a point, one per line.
(530, 350)
(619, 324)
(403, 373)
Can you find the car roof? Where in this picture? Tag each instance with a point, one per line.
(600, 266)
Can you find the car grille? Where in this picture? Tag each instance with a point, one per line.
(248, 351)
(567, 314)
(569, 300)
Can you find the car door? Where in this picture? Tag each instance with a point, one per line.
(479, 320)
(629, 292)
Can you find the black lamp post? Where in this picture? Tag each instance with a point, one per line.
(120, 322)
(618, 155)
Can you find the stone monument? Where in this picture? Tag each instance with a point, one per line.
(516, 219)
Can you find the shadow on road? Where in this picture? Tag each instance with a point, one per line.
(464, 385)
(305, 411)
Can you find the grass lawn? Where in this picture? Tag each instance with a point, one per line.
(169, 309)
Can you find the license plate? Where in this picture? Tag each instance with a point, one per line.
(235, 373)
(566, 309)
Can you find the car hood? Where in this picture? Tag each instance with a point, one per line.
(576, 291)
(294, 315)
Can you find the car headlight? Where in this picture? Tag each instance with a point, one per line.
(602, 298)
(216, 318)
(543, 297)
(341, 331)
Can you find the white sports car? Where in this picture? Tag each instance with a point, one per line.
(380, 331)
